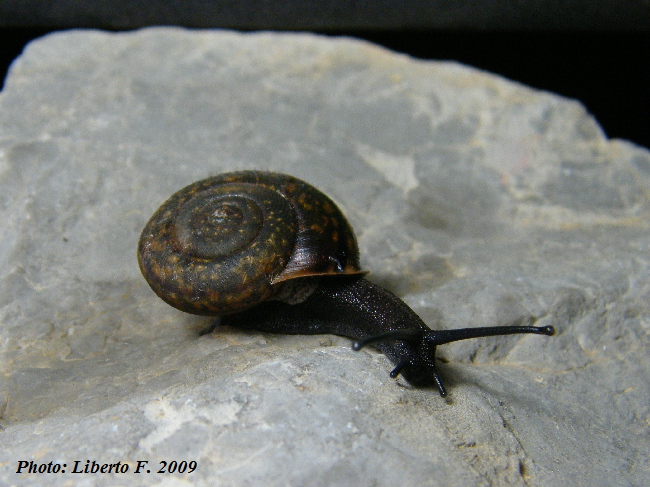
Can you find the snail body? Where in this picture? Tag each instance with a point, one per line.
(269, 252)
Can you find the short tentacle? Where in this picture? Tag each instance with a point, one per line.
(395, 372)
(439, 386)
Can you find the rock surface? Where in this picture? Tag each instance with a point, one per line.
(476, 199)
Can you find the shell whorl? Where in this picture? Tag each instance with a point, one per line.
(227, 243)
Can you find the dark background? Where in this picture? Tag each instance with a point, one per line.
(595, 51)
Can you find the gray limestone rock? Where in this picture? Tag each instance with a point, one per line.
(477, 200)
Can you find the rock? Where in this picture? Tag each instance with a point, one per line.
(478, 200)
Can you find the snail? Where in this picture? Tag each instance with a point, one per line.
(270, 252)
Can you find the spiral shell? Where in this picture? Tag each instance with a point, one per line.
(229, 242)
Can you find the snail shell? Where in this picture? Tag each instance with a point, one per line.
(229, 242)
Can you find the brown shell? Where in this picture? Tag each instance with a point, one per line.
(225, 243)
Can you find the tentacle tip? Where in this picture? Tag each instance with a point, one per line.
(548, 330)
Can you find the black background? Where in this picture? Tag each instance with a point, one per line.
(606, 71)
